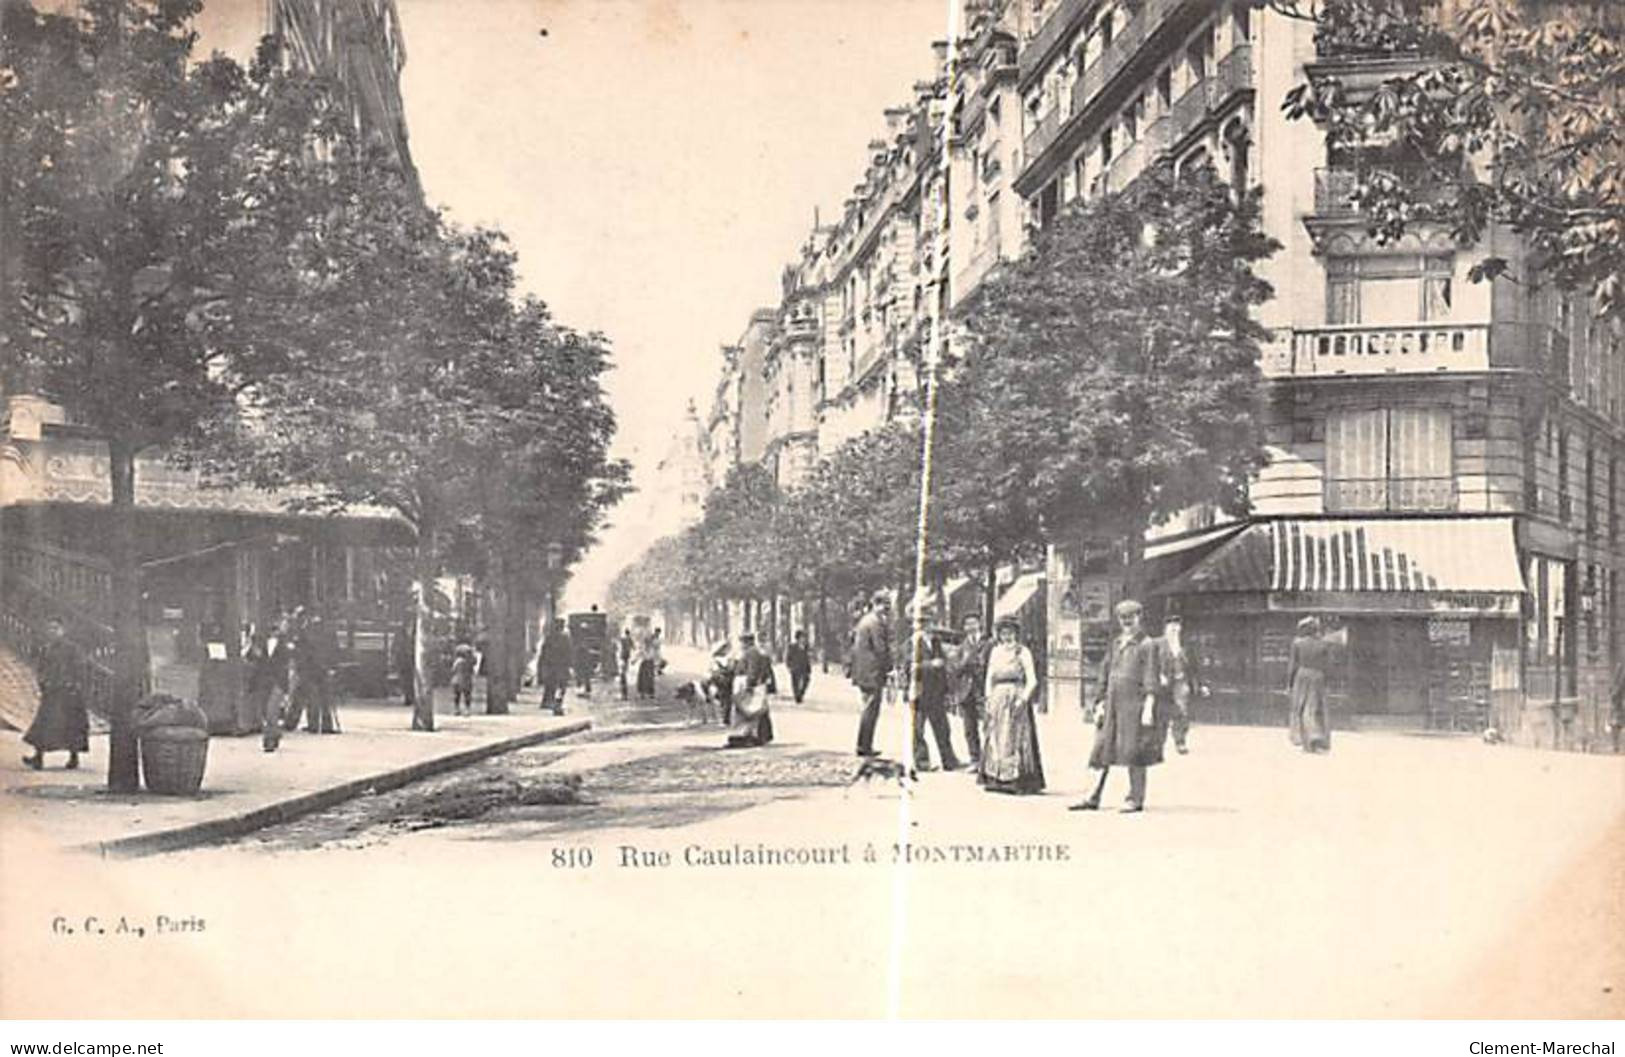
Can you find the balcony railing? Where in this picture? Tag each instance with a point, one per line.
(1099, 73)
(1419, 348)
(1365, 494)
(1357, 349)
(1335, 187)
(1060, 21)
(1126, 166)
(1233, 74)
(1041, 137)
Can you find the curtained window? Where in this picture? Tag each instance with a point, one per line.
(1397, 459)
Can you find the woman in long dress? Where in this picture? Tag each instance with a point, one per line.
(1010, 759)
(648, 661)
(1309, 726)
(61, 724)
(752, 716)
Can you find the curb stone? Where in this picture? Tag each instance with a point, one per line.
(217, 830)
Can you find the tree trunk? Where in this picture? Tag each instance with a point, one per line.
(990, 594)
(423, 699)
(130, 642)
(823, 628)
(1134, 559)
(498, 642)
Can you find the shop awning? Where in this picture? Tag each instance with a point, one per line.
(1463, 556)
(1188, 541)
(1018, 594)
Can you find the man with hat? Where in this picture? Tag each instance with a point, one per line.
(871, 667)
(1129, 731)
(1178, 679)
(928, 693)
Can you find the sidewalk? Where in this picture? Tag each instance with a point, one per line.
(246, 788)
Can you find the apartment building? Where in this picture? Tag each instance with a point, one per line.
(359, 47)
(1442, 489)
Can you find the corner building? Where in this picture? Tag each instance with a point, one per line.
(1442, 488)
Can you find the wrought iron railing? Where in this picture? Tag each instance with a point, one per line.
(40, 583)
(1390, 494)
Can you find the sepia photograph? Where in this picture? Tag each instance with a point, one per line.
(813, 509)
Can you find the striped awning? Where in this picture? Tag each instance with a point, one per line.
(1018, 594)
(1364, 555)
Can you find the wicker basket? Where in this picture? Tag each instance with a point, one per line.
(172, 759)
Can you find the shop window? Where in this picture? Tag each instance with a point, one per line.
(1390, 459)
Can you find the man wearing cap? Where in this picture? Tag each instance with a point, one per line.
(1129, 731)
(871, 666)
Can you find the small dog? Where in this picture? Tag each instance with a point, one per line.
(874, 767)
(700, 697)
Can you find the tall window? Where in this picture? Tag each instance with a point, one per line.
(1199, 55)
(1243, 13)
(1565, 502)
(1388, 291)
(1531, 482)
(1591, 493)
(1165, 90)
(1613, 499)
(1390, 459)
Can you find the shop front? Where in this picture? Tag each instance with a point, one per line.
(1423, 612)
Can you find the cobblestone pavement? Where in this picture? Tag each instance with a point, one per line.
(643, 764)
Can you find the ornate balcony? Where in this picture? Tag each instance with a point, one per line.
(1233, 74)
(1039, 139)
(1061, 20)
(1335, 187)
(1418, 348)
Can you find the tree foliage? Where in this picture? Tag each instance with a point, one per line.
(1113, 369)
(1512, 109)
(163, 230)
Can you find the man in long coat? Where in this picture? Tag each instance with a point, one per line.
(798, 661)
(928, 688)
(967, 671)
(1131, 729)
(553, 661)
(871, 666)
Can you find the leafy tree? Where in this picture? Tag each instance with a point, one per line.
(733, 551)
(398, 408)
(544, 475)
(858, 512)
(1115, 365)
(1528, 90)
(659, 578)
(986, 458)
(162, 226)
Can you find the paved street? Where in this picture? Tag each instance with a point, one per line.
(1399, 876)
